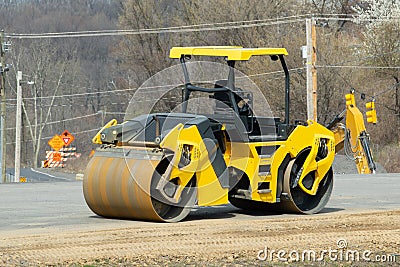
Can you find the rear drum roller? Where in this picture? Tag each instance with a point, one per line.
(294, 200)
(299, 201)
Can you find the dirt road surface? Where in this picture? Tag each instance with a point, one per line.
(49, 224)
(214, 242)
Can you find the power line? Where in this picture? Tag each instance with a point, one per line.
(76, 94)
(175, 29)
(367, 57)
(133, 89)
(115, 113)
(12, 106)
(357, 67)
(387, 90)
(368, 67)
(273, 72)
(59, 121)
(188, 26)
(150, 31)
(357, 19)
(194, 27)
(122, 113)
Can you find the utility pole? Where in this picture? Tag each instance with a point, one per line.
(311, 70)
(18, 128)
(3, 110)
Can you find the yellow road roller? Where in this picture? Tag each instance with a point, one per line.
(158, 166)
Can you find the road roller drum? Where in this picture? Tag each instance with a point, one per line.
(118, 184)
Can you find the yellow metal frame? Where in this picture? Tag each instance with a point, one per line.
(244, 157)
(210, 192)
(230, 52)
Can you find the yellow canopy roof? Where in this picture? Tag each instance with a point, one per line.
(231, 52)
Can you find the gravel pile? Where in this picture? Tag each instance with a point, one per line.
(344, 165)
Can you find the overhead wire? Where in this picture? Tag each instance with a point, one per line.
(136, 88)
(181, 29)
(357, 67)
(340, 65)
(123, 113)
(59, 121)
(188, 26)
(387, 90)
(194, 27)
(75, 94)
(367, 57)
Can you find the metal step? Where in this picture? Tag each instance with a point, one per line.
(264, 191)
(264, 173)
(244, 193)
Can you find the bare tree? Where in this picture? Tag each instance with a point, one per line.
(38, 62)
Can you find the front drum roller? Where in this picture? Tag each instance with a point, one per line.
(118, 184)
(294, 200)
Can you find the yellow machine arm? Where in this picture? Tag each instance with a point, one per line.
(353, 136)
(97, 138)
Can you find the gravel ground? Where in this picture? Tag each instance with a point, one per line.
(344, 165)
(215, 243)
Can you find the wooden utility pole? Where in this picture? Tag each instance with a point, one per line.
(311, 70)
(18, 128)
